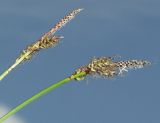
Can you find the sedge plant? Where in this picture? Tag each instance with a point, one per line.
(102, 66)
(46, 41)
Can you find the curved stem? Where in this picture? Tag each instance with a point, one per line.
(41, 93)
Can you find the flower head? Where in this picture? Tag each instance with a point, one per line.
(63, 22)
(107, 67)
(48, 39)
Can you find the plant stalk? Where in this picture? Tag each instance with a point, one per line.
(39, 94)
(17, 62)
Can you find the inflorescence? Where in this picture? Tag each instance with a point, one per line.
(107, 67)
(48, 39)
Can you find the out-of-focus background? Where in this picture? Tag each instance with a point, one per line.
(129, 28)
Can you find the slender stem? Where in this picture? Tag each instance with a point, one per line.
(41, 93)
(7, 71)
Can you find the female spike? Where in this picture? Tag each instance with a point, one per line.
(107, 67)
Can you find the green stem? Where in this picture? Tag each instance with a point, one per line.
(41, 93)
(7, 71)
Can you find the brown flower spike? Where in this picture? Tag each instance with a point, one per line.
(43, 43)
(107, 67)
(48, 39)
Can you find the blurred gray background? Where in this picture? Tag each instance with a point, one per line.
(129, 28)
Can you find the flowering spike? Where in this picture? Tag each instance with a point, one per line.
(46, 41)
(131, 64)
(106, 67)
(102, 66)
(63, 21)
(43, 43)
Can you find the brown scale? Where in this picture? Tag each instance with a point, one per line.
(63, 21)
(85, 69)
(102, 66)
(132, 64)
(43, 43)
(48, 42)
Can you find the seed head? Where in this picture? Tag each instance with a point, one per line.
(106, 67)
(130, 64)
(48, 39)
(102, 66)
(63, 22)
(47, 42)
(43, 43)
